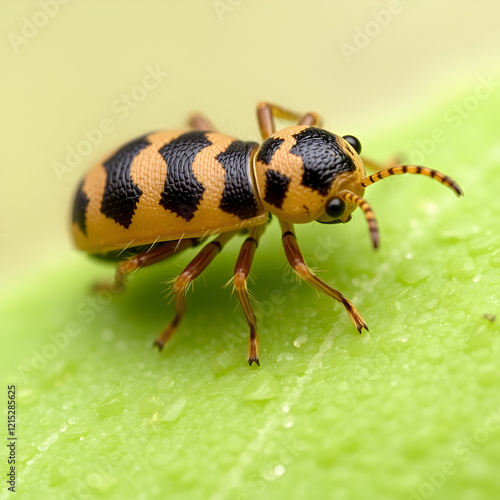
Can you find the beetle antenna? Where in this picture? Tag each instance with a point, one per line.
(413, 169)
(367, 210)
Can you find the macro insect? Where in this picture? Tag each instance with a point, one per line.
(167, 191)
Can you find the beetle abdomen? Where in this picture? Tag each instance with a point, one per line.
(166, 186)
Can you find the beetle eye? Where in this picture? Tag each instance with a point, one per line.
(353, 142)
(335, 207)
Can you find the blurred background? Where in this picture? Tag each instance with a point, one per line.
(80, 78)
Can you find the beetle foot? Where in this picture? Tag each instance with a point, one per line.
(253, 359)
(355, 316)
(159, 344)
(253, 347)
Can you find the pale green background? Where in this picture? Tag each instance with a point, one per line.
(330, 414)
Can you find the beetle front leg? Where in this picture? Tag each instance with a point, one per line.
(310, 119)
(377, 166)
(192, 271)
(296, 260)
(267, 113)
(241, 272)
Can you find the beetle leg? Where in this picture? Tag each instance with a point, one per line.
(241, 272)
(161, 252)
(192, 271)
(296, 260)
(311, 119)
(267, 112)
(198, 121)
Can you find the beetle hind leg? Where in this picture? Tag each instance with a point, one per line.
(296, 260)
(182, 282)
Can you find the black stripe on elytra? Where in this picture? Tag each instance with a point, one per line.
(121, 194)
(238, 197)
(182, 192)
(323, 158)
(80, 209)
(276, 188)
(267, 150)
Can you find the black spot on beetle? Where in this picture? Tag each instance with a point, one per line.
(276, 188)
(80, 209)
(238, 197)
(182, 192)
(323, 158)
(267, 150)
(121, 194)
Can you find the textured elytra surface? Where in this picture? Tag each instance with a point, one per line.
(171, 184)
(410, 410)
(121, 194)
(239, 196)
(182, 192)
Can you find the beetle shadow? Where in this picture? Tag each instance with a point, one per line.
(147, 302)
(150, 291)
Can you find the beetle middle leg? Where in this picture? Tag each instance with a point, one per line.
(241, 272)
(296, 260)
(192, 271)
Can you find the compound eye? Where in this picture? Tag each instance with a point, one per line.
(353, 142)
(335, 208)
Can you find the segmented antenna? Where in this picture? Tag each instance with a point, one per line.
(367, 210)
(413, 169)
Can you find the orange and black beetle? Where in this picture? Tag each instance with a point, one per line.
(170, 190)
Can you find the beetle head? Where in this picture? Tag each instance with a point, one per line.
(300, 172)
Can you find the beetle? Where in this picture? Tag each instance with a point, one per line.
(170, 190)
